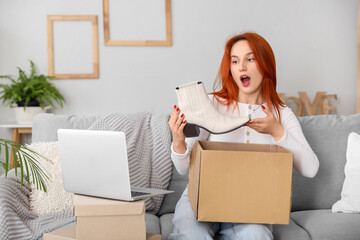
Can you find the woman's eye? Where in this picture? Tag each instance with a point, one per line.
(234, 61)
(251, 59)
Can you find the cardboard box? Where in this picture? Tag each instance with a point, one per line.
(237, 182)
(62, 234)
(70, 234)
(99, 218)
(153, 236)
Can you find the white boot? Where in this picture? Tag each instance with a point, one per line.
(194, 102)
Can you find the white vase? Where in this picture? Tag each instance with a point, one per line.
(26, 116)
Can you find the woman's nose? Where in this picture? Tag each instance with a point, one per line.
(242, 67)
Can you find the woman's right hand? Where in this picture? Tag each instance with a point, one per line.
(177, 125)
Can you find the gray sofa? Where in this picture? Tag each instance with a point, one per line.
(312, 199)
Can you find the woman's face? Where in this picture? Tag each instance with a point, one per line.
(245, 71)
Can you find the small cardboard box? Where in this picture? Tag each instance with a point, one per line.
(153, 236)
(62, 234)
(70, 234)
(99, 218)
(237, 182)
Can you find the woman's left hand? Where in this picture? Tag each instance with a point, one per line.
(267, 125)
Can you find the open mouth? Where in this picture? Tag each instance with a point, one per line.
(245, 80)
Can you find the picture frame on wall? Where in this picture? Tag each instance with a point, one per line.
(137, 23)
(73, 43)
(358, 63)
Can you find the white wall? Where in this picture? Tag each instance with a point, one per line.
(315, 44)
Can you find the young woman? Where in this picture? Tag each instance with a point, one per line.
(247, 77)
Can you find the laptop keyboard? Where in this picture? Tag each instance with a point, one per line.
(136, 194)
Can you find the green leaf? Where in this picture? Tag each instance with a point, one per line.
(6, 159)
(2, 164)
(27, 161)
(15, 159)
(22, 170)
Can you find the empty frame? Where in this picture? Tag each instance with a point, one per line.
(358, 63)
(137, 23)
(73, 46)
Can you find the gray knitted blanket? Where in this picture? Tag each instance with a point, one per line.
(16, 219)
(148, 140)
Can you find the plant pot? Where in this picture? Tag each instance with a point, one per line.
(26, 116)
(29, 104)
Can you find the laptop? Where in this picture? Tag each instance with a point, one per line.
(95, 163)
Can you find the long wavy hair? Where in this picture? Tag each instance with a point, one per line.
(265, 60)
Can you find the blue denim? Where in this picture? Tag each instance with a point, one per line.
(186, 227)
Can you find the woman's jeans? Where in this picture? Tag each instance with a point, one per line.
(186, 227)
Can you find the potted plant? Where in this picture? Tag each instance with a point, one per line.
(25, 159)
(32, 94)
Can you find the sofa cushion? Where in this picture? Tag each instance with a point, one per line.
(56, 198)
(152, 223)
(166, 225)
(327, 136)
(324, 224)
(178, 184)
(350, 194)
(45, 125)
(289, 231)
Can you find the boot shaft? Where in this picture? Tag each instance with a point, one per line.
(191, 98)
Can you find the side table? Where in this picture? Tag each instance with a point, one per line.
(18, 129)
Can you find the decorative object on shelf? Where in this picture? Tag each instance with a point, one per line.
(140, 22)
(95, 48)
(26, 115)
(26, 160)
(31, 93)
(320, 105)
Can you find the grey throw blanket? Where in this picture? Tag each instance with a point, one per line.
(16, 219)
(148, 140)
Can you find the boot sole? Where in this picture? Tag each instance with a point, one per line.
(193, 130)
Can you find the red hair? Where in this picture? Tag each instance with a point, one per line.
(265, 61)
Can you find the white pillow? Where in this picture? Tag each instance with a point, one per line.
(350, 194)
(55, 199)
